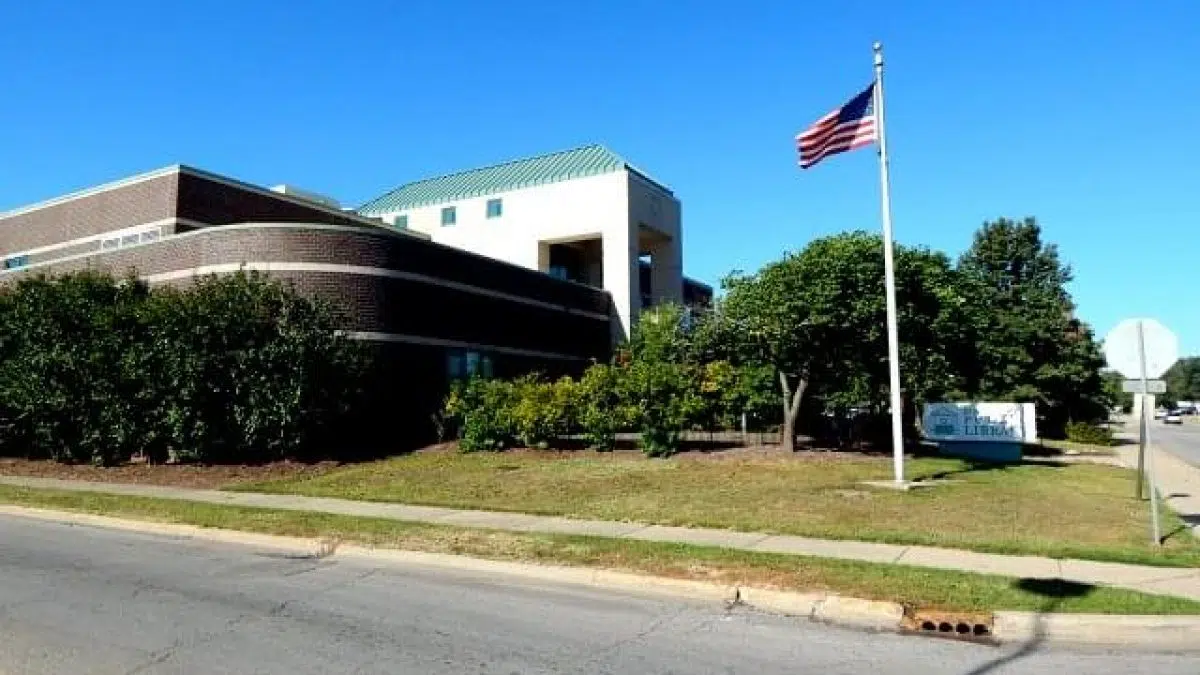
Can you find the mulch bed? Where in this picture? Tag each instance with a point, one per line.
(178, 475)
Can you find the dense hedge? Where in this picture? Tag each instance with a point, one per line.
(1089, 434)
(657, 400)
(236, 368)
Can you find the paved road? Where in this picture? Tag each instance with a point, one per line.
(1181, 440)
(85, 600)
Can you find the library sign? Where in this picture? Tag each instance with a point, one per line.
(988, 430)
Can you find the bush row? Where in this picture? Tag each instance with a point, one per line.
(233, 369)
(657, 400)
(1089, 434)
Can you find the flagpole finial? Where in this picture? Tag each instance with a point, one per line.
(878, 47)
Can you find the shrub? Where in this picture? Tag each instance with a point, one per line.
(483, 411)
(235, 369)
(602, 410)
(68, 373)
(667, 398)
(543, 411)
(1089, 434)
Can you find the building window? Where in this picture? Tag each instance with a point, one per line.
(129, 240)
(150, 236)
(463, 364)
(494, 208)
(15, 262)
(109, 244)
(401, 222)
(449, 215)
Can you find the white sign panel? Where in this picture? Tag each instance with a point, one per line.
(1121, 348)
(981, 421)
(1135, 387)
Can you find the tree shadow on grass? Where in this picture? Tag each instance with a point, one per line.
(1053, 592)
(1190, 522)
(978, 466)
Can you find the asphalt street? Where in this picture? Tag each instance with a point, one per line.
(1181, 440)
(78, 599)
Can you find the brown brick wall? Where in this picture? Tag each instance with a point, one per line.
(219, 203)
(374, 303)
(142, 202)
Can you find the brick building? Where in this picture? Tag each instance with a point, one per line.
(434, 311)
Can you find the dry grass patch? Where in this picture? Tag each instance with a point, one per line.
(1074, 510)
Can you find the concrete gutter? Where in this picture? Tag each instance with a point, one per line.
(1180, 633)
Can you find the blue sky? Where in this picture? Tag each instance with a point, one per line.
(1057, 110)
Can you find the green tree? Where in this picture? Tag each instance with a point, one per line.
(818, 317)
(1029, 346)
(1114, 390)
(1183, 379)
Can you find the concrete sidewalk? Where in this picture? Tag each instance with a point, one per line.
(1178, 482)
(1181, 582)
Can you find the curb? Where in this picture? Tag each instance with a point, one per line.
(1181, 633)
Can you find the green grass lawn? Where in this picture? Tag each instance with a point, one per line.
(1081, 510)
(916, 588)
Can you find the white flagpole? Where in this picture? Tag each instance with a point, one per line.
(889, 276)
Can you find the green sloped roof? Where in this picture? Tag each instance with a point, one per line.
(589, 160)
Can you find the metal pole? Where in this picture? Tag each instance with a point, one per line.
(1147, 448)
(1142, 401)
(889, 276)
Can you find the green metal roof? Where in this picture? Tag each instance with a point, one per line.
(589, 160)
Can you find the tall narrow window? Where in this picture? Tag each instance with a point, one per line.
(449, 215)
(401, 222)
(494, 208)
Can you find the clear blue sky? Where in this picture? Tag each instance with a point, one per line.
(1080, 113)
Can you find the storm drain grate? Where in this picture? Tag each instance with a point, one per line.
(959, 625)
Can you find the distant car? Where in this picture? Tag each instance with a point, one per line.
(1173, 417)
(1160, 414)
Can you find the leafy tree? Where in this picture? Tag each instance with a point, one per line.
(1114, 390)
(663, 334)
(667, 400)
(1028, 344)
(818, 317)
(1183, 379)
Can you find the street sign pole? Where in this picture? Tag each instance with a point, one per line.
(1146, 449)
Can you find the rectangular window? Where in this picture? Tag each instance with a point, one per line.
(494, 208)
(129, 240)
(449, 215)
(150, 236)
(401, 222)
(109, 244)
(16, 262)
(455, 367)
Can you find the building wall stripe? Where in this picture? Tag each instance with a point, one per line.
(381, 272)
(374, 336)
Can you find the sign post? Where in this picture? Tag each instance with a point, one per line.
(1142, 349)
(1154, 529)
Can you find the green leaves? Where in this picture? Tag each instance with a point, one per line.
(234, 369)
(1027, 343)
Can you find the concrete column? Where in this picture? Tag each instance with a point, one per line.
(666, 271)
(621, 277)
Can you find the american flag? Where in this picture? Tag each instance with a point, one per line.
(849, 127)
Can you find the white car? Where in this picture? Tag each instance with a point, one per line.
(1159, 414)
(1173, 417)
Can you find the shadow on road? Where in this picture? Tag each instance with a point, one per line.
(1052, 592)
